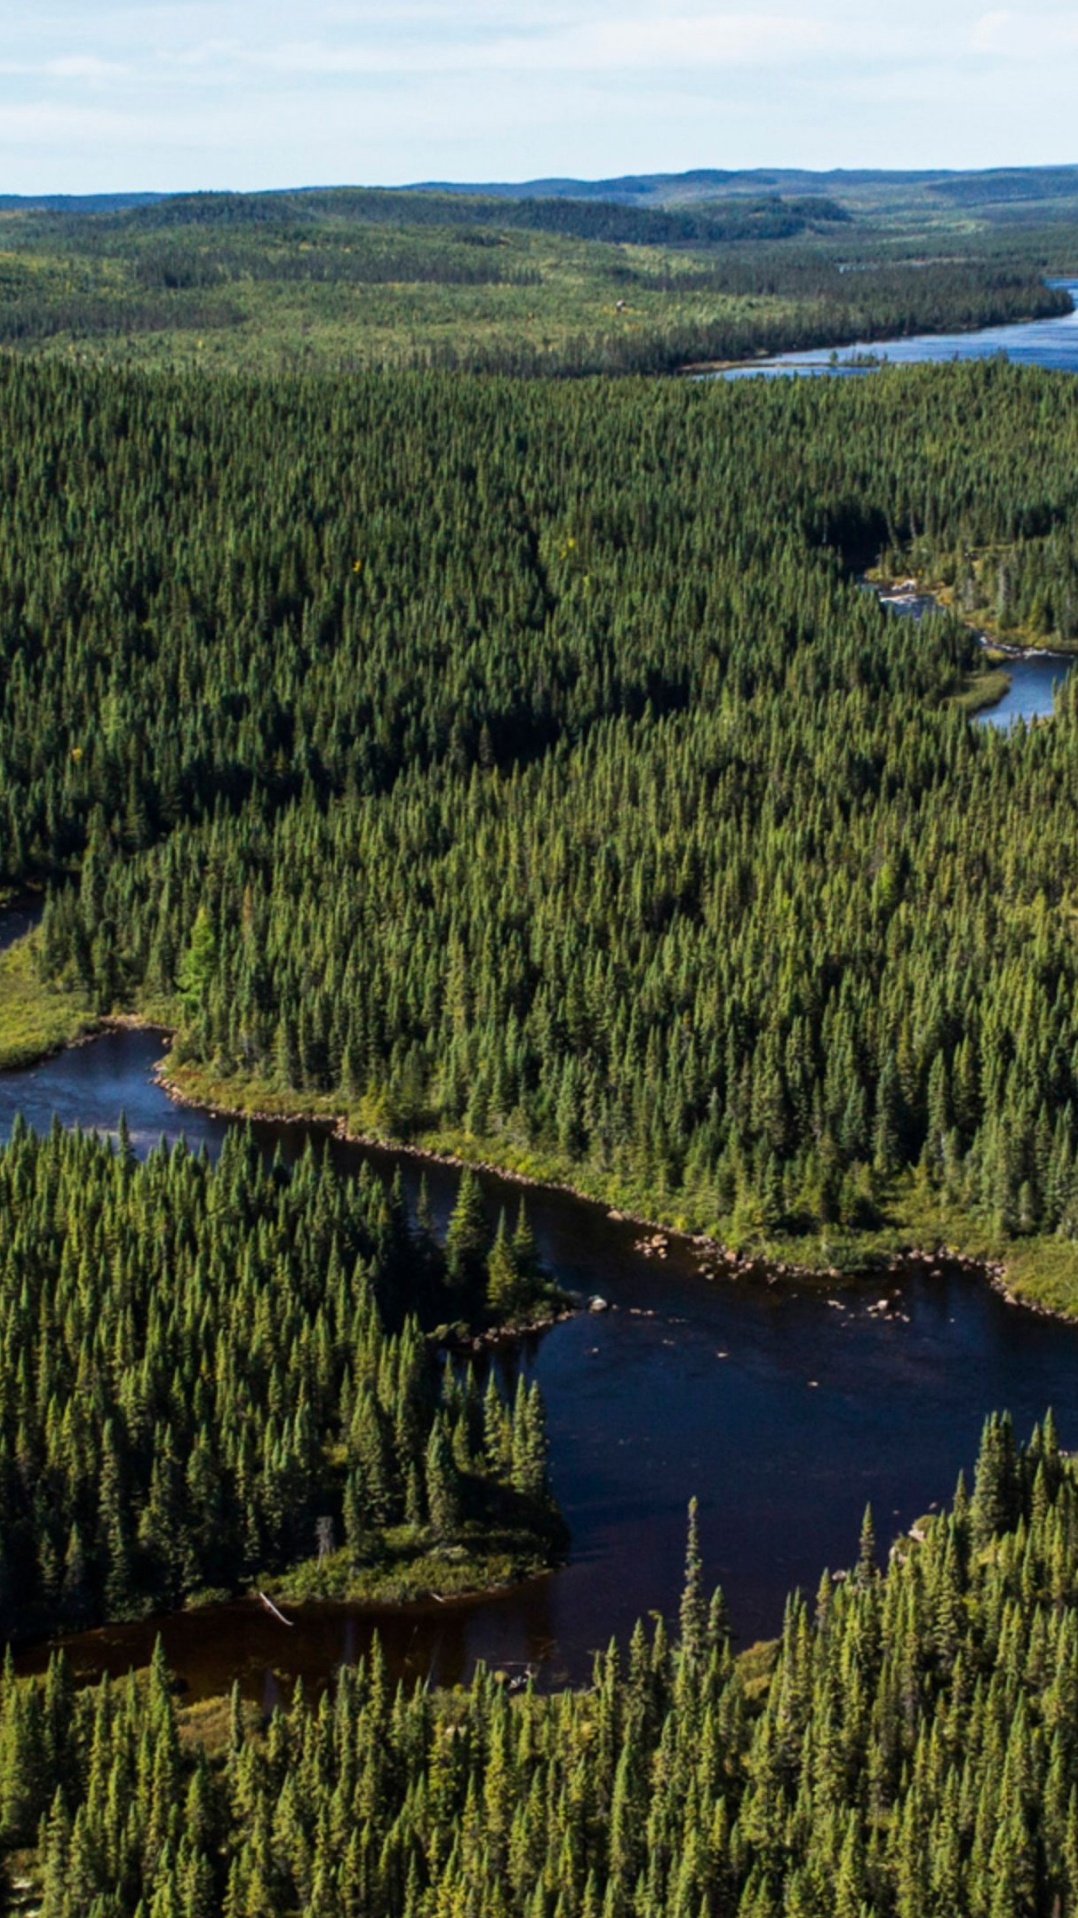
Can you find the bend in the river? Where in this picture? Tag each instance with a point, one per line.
(1033, 675)
(782, 1407)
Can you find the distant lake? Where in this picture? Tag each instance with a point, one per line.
(1050, 343)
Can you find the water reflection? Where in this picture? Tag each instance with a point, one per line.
(17, 919)
(783, 1408)
(1031, 694)
(213, 1647)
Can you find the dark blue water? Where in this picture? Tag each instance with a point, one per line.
(1051, 343)
(1031, 694)
(783, 1408)
(17, 918)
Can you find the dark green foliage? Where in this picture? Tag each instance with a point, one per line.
(768, 218)
(467, 1240)
(520, 760)
(914, 1754)
(195, 1368)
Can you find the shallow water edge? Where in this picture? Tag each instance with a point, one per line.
(784, 1406)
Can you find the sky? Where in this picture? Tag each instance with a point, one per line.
(113, 96)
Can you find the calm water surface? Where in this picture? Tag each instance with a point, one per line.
(1033, 676)
(782, 1408)
(1051, 343)
(1031, 694)
(17, 919)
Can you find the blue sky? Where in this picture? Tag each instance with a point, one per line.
(108, 95)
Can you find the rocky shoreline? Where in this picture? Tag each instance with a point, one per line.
(714, 1260)
(906, 592)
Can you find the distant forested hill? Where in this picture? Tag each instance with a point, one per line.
(516, 282)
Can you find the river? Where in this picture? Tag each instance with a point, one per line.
(1034, 676)
(784, 1408)
(1049, 343)
(18, 917)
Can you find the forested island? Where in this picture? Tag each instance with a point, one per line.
(455, 743)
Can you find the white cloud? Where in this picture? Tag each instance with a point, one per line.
(989, 32)
(49, 124)
(1029, 36)
(140, 93)
(701, 40)
(717, 39)
(83, 66)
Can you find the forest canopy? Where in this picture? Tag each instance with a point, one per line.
(906, 1751)
(518, 766)
(212, 1373)
(524, 763)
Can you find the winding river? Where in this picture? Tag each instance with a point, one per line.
(1033, 675)
(783, 1407)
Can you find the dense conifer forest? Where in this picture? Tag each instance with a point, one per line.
(908, 1750)
(211, 1372)
(522, 764)
(519, 767)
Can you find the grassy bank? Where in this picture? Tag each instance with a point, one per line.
(403, 1565)
(980, 691)
(1040, 1271)
(35, 1018)
(408, 1563)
